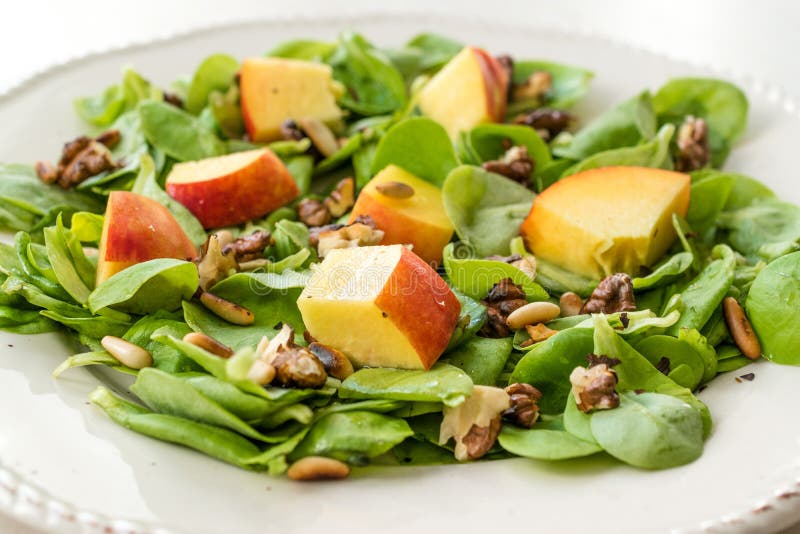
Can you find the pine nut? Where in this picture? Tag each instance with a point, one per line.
(230, 311)
(261, 373)
(395, 190)
(209, 344)
(127, 353)
(335, 362)
(318, 468)
(740, 328)
(570, 304)
(320, 135)
(532, 313)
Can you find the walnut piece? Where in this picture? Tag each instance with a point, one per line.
(357, 234)
(81, 158)
(548, 123)
(613, 294)
(594, 388)
(694, 151)
(249, 247)
(524, 410)
(313, 212)
(295, 366)
(475, 423)
(504, 297)
(536, 87)
(342, 198)
(515, 164)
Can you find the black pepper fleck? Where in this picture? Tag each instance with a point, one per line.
(749, 376)
(384, 314)
(623, 318)
(278, 325)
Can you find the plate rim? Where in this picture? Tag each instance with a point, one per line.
(34, 506)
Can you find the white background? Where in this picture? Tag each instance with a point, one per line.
(758, 38)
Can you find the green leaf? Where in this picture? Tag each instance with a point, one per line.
(772, 306)
(654, 153)
(482, 358)
(570, 84)
(419, 145)
(722, 105)
(546, 441)
(167, 394)
(650, 431)
(177, 133)
(303, 49)
(665, 272)
(548, 365)
(215, 73)
(475, 277)
(28, 204)
(625, 125)
(353, 436)
(374, 85)
(698, 301)
(486, 209)
(489, 141)
(153, 285)
(442, 383)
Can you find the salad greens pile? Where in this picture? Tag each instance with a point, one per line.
(737, 241)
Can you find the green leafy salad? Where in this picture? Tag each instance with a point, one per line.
(337, 254)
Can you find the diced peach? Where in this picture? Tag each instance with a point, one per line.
(275, 89)
(602, 221)
(419, 219)
(382, 306)
(470, 90)
(232, 189)
(136, 229)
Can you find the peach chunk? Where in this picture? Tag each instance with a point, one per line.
(607, 220)
(136, 229)
(407, 215)
(382, 306)
(470, 90)
(232, 189)
(276, 89)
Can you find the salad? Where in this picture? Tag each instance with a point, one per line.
(337, 254)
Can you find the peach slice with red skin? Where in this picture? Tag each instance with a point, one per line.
(275, 89)
(232, 189)
(471, 89)
(136, 229)
(419, 220)
(382, 306)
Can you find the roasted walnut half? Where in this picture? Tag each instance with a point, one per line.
(475, 423)
(295, 366)
(594, 388)
(515, 164)
(81, 158)
(548, 123)
(524, 410)
(613, 294)
(694, 151)
(312, 212)
(504, 297)
(249, 247)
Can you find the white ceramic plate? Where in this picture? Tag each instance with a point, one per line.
(66, 467)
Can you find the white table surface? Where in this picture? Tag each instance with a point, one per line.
(759, 39)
